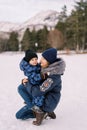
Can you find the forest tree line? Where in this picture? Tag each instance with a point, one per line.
(69, 33)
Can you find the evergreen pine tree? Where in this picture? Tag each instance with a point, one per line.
(13, 42)
(26, 40)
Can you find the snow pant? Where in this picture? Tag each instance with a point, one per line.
(22, 90)
(25, 112)
(50, 103)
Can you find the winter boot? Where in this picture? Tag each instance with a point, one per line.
(52, 115)
(40, 115)
(39, 118)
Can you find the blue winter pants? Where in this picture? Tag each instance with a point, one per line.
(25, 112)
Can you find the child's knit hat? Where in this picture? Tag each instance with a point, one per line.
(29, 54)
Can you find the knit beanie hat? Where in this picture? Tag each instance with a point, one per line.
(29, 54)
(50, 55)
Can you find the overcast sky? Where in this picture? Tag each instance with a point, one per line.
(21, 10)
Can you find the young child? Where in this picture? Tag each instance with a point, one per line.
(29, 65)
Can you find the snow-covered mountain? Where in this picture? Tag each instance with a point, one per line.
(48, 18)
(8, 27)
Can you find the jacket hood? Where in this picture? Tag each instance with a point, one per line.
(57, 67)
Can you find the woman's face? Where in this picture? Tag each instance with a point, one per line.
(44, 63)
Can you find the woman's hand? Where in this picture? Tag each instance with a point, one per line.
(24, 81)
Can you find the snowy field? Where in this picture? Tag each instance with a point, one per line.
(72, 110)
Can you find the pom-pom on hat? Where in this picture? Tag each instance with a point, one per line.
(29, 54)
(50, 55)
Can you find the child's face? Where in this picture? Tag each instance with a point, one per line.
(44, 63)
(33, 61)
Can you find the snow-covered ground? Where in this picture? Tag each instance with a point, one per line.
(72, 109)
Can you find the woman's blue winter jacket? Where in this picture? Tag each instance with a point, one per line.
(51, 87)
